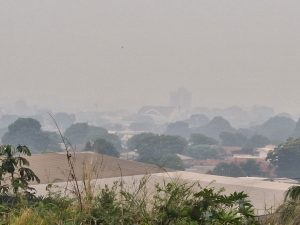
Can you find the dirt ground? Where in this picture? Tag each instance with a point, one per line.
(53, 167)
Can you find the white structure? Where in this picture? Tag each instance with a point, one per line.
(263, 152)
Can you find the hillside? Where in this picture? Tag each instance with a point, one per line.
(53, 167)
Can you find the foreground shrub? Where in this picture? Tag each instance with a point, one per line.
(26, 217)
(287, 213)
(171, 203)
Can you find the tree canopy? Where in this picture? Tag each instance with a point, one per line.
(248, 168)
(278, 129)
(216, 126)
(167, 160)
(203, 152)
(153, 143)
(256, 141)
(158, 149)
(137, 140)
(15, 173)
(27, 131)
(102, 146)
(285, 158)
(179, 128)
(201, 139)
(228, 169)
(233, 139)
(81, 133)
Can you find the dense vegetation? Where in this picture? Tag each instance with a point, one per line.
(201, 139)
(273, 131)
(215, 127)
(171, 203)
(179, 128)
(248, 144)
(277, 129)
(161, 150)
(285, 158)
(27, 131)
(249, 168)
(102, 146)
(81, 133)
(203, 152)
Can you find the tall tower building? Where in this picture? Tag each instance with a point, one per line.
(181, 99)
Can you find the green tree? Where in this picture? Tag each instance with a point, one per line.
(256, 141)
(27, 131)
(176, 204)
(161, 144)
(215, 127)
(137, 140)
(278, 129)
(232, 139)
(168, 160)
(179, 128)
(204, 152)
(228, 169)
(201, 139)
(249, 168)
(114, 140)
(104, 147)
(15, 173)
(81, 133)
(252, 168)
(285, 158)
(288, 213)
(153, 148)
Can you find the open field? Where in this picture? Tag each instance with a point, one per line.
(53, 167)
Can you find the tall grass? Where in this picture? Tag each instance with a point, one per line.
(170, 203)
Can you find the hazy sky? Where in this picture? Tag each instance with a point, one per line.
(128, 53)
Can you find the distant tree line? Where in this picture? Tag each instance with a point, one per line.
(275, 130)
(248, 168)
(29, 132)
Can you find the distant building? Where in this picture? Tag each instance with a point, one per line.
(159, 114)
(263, 152)
(181, 99)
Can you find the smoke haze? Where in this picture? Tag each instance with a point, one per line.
(125, 54)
